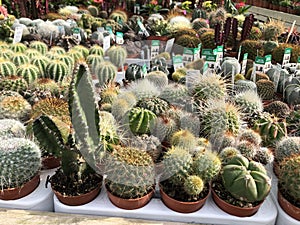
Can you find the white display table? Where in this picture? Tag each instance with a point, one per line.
(41, 199)
(156, 210)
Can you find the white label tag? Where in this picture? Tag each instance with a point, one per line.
(106, 43)
(169, 45)
(18, 34)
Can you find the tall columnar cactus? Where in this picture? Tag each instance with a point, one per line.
(40, 46)
(10, 128)
(29, 72)
(289, 178)
(156, 105)
(97, 50)
(130, 161)
(286, 147)
(13, 83)
(249, 102)
(14, 106)
(106, 72)
(246, 180)
(41, 63)
(184, 139)
(140, 120)
(117, 55)
(19, 59)
(18, 154)
(18, 47)
(93, 60)
(57, 70)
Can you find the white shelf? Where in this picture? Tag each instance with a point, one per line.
(41, 199)
(156, 210)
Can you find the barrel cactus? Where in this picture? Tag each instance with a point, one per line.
(68, 60)
(286, 147)
(29, 72)
(41, 63)
(265, 89)
(193, 185)
(226, 154)
(57, 70)
(32, 53)
(19, 59)
(93, 60)
(117, 55)
(246, 180)
(158, 78)
(6, 53)
(175, 94)
(156, 105)
(106, 73)
(18, 47)
(13, 83)
(208, 40)
(97, 50)
(75, 54)
(163, 127)
(184, 139)
(140, 120)
(57, 50)
(278, 108)
(40, 46)
(84, 51)
(11, 128)
(249, 103)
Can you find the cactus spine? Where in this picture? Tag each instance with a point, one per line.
(10, 128)
(140, 120)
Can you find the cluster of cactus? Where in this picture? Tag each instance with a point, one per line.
(18, 154)
(131, 161)
(117, 55)
(286, 147)
(246, 180)
(41, 63)
(10, 128)
(20, 58)
(278, 52)
(253, 48)
(134, 72)
(278, 108)
(13, 83)
(249, 103)
(140, 120)
(106, 72)
(156, 105)
(184, 139)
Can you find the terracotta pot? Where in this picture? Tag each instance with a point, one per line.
(288, 207)
(20, 192)
(79, 199)
(234, 210)
(130, 204)
(182, 207)
(50, 162)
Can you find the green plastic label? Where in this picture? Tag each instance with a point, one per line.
(260, 60)
(177, 59)
(155, 43)
(188, 51)
(211, 58)
(268, 58)
(207, 52)
(245, 57)
(288, 51)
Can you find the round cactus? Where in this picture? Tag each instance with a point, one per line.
(19, 59)
(57, 70)
(226, 154)
(93, 61)
(187, 41)
(264, 156)
(68, 60)
(229, 66)
(140, 120)
(278, 108)
(249, 102)
(175, 94)
(199, 23)
(117, 55)
(144, 89)
(246, 180)
(265, 89)
(250, 136)
(184, 139)
(41, 63)
(84, 51)
(13, 83)
(45, 84)
(33, 53)
(163, 127)
(106, 72)
(255, 33)
(247, 149)
(6, 53)
(193, 185)
(208, 40)
(10, 128)
(158, 78)
(189, 121)
(18, 154)
(244, 85)
(287, 146)
(7, 68)
(156, 105)
(75, 54)
(18, 47)
(29, 72)
(39, 46)
(96, 50)
(57, 50)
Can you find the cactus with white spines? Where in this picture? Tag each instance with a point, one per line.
(29, 72)
(117, 55)
(93, 61)
(158, 78)
(10, 128)
(184, 139)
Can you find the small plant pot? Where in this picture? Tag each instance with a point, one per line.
(20, 192)
(50, 162)
(182, 207)
(80, 199)
(232, 209)
(288, 207)
(130, 204)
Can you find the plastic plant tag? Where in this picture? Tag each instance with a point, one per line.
(219, 54)
(144, 69)
(142, 28)
(61, 30)
(211, 60)
(177, 62)
(136, 9)
(298, 65)
(106, 43)
(205, 68)
(239, 52)
(100, 29)
(268, 63)
(119, 38)
(169, 45)
(155, 44)
(188, 55)
(191, 77)
(259, 63)
(205, 52)
(286, 56)
(244, 64)
(109, 29)
(18, 34)
(76, 33)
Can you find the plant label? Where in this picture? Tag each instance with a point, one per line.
(244, 64)
(142, 28)
(212, 61)
(18, 34)
(155, 44)
(177, 62)
(219, 54)
(106, 43)
(239, 52)
(119, 38)
(298, 65)
(188, 55)
(268, 63)
(286, 56)
(109, 29)
(169, 45)
(205, 52)
(76, 33)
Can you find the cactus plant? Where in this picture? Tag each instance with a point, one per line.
(134, 72)
(13, 83)
(286, 147)
(278, 52)
(97, 50)
(6, 53)
(229, 66)
(29, 72)
(41, 63)
(117, 55)
(264, 156)
(250, 136)
(106, 72)
(265, 89)
(246, 180)
(33, 53)
(39, 46)
(174, 93)
(187, 41)
(76, 54)
(247, 149)
(208, 40)
(255, 34)
(45, 84)
(57, 50)
(10, 128)
(57, 70)
(184, 139)
(18, 47)
(269, 46)
(140, 120)
(84, 51)
(68, 60)
(199, 13)
(199, 23)
(245, 85)
(278, 108)
(226, 154)
(158, 78)
(93, 60)
(18, 154)
(163, 128)
(253, 48)
(156, 105)
(249, 103)
(19, 59)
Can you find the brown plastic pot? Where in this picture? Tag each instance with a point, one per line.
(20, 192)
(50, 162)
(182, 207)
(130, 204)
(232, 209)
(79, 199)
(288, 207)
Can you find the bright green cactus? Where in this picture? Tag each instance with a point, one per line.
(10, 128)
(156, 105)
(76, 54)
(249, 102)
(41, 63)
(57, 70)
(84, 51)
(138, 176)
(39, 46)
(19, 59)
(13, 83)
(57, 50)
(70, 62)
(33, 53)
(184, 139)
(286, 147)
(193, 185)
(246, 180)
(106, 72)
(96, 50)
(140, 120)
(117, 55)
(158, 78)
(93, 60)
(29, 72)
(18, 47)
(6, 53)
(18, 154)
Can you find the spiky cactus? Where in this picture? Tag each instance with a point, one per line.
(163, 127)
(184, 139)
(158, 78)
(252, 47)
(45, 84)
(250, 136)
(39, 46)
(6, 53)
(193, 185)
(199, 23)
(84, 51)
(244, 85)
(18, 47)
(229, 66)
(93, 60)
(140, 120)
(117, 55)
(255, 33)
(134, 72)
(286, 147)
(187, 41)
(208, 40)
(33, 53)
(57, 50)
(175, 94)
(106, 72)
(247, 149)
(13, 83)
(265, 89)
(130, 161)
(96, 50)
(226, 154)
(68, 60)
(246, 180)
(29, 72)
(57, 70)
(41, 63)
(278, 108)
(156, 105)
(10, 128)
(19, 59)
(249, 102)
(264, 156)
(18, 154)
(76, 54)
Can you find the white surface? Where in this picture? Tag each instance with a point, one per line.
(41, 199)
(156, 210)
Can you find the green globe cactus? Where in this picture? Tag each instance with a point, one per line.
(13, 83)
(96, 50)
(18, 47)
(18, 154)
(10, 128)
(57, 50)
(140, 120)
(286, 147)
(119, 16)
(246, 180)
(188, 41)
(57, 70)
(39, 46)
(106, 72)
(77, 55)
(33, 53)
(29, 72)
(184, 139)
(156, 105)
(41, 63)
(93, 60)
(193, 185)
(19, 59)
(269, 46)
(131, 161)
(70, 62)
(6, 53)
(84, 51)
(178, 74)
(117, 55)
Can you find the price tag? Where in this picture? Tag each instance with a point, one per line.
(76, 33)
(244, 64)
(286, 56)
(177, 62)
(268, 63)
(119, 38)
(169, 45)
(155, 44)
(18, 34)
(106, 43)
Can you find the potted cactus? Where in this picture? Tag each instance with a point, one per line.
(241, 187)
